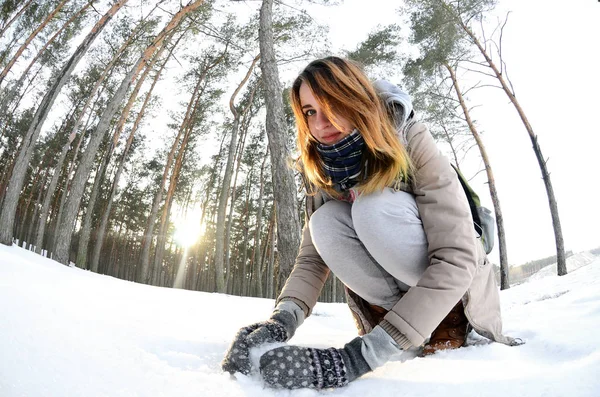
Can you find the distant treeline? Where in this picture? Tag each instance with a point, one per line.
(519, 273)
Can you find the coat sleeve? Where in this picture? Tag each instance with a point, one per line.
(452, 244)
(308, 276)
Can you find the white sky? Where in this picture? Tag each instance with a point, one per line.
(551, 50)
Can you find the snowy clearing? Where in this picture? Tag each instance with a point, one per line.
(69, 332)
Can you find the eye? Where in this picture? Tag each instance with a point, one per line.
(310, 112)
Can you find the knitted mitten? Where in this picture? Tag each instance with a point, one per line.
(294, 367)
(279, 328)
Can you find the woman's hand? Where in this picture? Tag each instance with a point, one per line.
(294, 367)
(279, 328)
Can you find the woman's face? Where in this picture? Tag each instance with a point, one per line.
(319, 125)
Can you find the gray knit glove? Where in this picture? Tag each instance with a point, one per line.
(279, 328)
(294, 367)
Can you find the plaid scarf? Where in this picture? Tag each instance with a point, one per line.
(342, 160)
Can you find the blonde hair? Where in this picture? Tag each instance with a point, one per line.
(342, 88)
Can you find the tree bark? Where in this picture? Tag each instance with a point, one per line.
(284, 186)
(504, 273)
(7, 216)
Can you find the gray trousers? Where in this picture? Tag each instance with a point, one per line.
(376, 246)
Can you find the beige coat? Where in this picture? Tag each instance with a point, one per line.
(458, 267)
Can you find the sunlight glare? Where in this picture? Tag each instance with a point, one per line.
(188, 231)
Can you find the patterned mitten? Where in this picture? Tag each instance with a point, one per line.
(279, 328)
(295, 367)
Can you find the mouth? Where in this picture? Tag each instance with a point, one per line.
(330, 138)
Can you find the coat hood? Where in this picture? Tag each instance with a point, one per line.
(398, 102)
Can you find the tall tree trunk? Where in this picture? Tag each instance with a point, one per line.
(20, 234)
(86, 228)
(560, 245)
(106, 215)
(39, 240)
(239, 152)
(63, 243)
(32, 36)
(259, 215)
(25, 202)
(26, 150)
(36, 209)
(224, 194)
(284, 186)
(63, 197)
(504, 279)
(244, 264)
(271, 261)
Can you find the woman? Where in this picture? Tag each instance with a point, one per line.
(387, 214)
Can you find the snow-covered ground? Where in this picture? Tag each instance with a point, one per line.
(68, 332)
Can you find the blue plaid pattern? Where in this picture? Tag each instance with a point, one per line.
(342, 160)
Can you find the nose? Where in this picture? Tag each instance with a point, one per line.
(321, 121)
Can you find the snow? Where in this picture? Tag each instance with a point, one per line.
(69, 332)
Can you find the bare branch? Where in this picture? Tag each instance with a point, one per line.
(435, 94)
(473, 87)
(473, 107)
(480, 72)
(501, 37)
(483, 34)
(491, 86)
(477, 173)
(165, 11)
(475, 63)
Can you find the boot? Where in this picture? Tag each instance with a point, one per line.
(450, 334)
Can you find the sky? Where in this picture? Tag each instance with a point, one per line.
(551, 52)
(71, 332)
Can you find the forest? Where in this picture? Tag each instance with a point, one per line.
(153, 141)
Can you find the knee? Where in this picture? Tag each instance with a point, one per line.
(326, 220)
(375, 211)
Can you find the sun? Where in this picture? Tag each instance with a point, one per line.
(188, 231)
